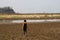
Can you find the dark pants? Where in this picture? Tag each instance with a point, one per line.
(25, 28)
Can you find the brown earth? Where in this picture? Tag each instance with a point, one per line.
(36, 31)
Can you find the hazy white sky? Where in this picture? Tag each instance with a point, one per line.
(32, 6)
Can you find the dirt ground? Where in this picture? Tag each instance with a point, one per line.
(35, 31)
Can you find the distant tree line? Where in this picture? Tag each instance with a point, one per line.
(8, 10)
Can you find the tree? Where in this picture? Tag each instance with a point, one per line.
(8, 10)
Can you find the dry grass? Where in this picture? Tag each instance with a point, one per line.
(30, 16)
(36, 31)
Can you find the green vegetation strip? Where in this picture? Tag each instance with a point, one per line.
(28, 16)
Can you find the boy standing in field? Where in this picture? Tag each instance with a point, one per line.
(25, 27)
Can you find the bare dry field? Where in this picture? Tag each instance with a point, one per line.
(36, 31)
